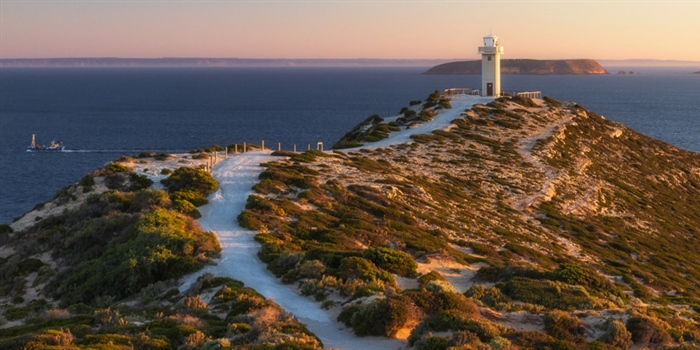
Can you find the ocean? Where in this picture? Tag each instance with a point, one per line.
(102, 113)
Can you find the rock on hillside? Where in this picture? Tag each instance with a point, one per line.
(495, 229)
(524, 66)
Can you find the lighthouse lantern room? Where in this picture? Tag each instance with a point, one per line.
(491, 66)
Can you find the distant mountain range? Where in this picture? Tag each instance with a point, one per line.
(524, 66)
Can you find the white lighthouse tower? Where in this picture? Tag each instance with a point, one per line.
(491, 66)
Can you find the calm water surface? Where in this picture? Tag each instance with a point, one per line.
(103, 113)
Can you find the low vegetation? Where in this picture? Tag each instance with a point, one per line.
(473, 194)
(526, 224)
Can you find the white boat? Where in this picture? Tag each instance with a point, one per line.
(53, 147)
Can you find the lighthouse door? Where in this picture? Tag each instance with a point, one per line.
(489, 89)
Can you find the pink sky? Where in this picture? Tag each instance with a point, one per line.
(349, 29)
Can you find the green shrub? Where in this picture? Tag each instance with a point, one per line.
(358, 268)
(551, 101)
(561, 325)
(87, 181)
(582, 276)
(165, 244)
(186, 208)
(5, 228)
(195, 197)
(382, 317)
(429, 277)
(524, 101)
(392, 260)
(547, 293)
(491, 297)
(433, 343)
(616, 335)
(111, 168)
(139, 182)
(455, 320)
(646, 330)
(185, 178)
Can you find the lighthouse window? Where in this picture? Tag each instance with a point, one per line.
(489, 58)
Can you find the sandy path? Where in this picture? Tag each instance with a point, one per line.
(239, 260)
(442, 121)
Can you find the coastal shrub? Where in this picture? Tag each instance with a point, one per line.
(432, 342)
(5, 228)
(392, 260)
(149, 200)
(87, 181)
(454, 320)
(429, 277)
(382, 317)
(582, 276)
(547, 293)
(115, 181)
(539, 340)
(111, 168)
(186, 208)
(551, 101)
(616, 334)
(139, 182)
(524, 101)
(164, 244)
(491, 296)
(195, 197)
(185, 178)
(561, 325)
(646, 330)
(362, 269)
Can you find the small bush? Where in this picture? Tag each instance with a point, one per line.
(429, 277)
(5, 228)
(393, 261)
(617, 335)
(561, 325)
(362, 269)
(185, 178)
(186, 208)
(87, 181)
(382, 317)
(647, 330)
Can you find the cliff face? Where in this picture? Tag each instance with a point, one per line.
(524, 66)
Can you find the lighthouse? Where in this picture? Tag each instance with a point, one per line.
(491, 66)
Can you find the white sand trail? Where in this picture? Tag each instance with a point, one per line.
(237, 175)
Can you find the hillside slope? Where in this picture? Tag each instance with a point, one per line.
(559, 226)
(524, 66)
(497, 224)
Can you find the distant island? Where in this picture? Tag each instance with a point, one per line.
(524, 66)
(698, 72)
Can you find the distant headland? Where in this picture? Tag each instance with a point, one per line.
(524, 66)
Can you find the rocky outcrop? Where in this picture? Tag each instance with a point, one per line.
(524, 66)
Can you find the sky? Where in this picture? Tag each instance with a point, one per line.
(665, 30)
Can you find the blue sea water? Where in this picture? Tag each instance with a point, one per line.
(101, 114)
